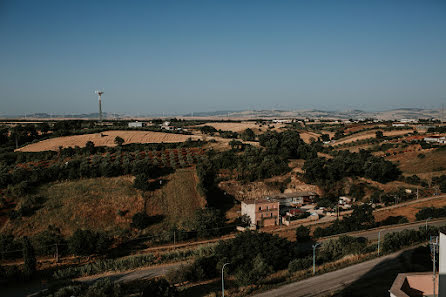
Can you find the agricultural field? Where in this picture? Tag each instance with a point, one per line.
(307, 136)
(240, 127)
(370, 134)
(106, 139)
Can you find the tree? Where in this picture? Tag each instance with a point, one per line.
(141, 182)
(119, 141)
(325, 137)
(159, 288)
(140, 220)
(208, 222)
(248, 135)
(29, 257)
(87, 242)
(302, 234)
(379, 135)
(89, 146)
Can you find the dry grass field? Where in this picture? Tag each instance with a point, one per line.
(411, 164)
(106, 139)
(307, 136)
(94, 204)
(408, 211)
(178, 199)
(240, 127)
(370, 134)
(88, 203)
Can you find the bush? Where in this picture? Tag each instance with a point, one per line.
(159, 288)
(260, 269)
(300, 264)
(140, 220)
(302, 234)
(87, 242)
(104, 288)
(29, 256)
(430, 212)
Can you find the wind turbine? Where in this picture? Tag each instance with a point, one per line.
(99, 93)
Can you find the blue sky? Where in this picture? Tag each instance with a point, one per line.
(183, 56)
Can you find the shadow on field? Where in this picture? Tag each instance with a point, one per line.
(379, 279)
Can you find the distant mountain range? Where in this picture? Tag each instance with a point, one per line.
(393, 114)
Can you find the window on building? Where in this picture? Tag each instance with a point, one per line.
(260, 208)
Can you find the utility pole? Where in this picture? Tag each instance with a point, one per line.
(57, 253)
(223, 280)
(174, 239)
(427, 221)
(314, 256)
(433, 242)
(379, 240)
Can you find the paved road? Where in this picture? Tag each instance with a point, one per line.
(329, 282)
(372, 235)
(126, 276)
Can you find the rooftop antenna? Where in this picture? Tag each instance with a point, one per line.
(99, 93)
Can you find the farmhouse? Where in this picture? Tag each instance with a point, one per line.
(136, 124)
(436, 139)
(263, 213)
(295, 198)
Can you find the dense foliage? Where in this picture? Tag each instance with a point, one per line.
(346, 164)
(431, 212)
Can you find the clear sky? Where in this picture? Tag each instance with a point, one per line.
(186, 55)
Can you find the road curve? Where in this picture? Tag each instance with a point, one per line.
(330, 282)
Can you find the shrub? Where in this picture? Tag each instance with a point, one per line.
(302, 234)
(87, 242)
(140, 220)
(300, 264)
(159, 288)
(29, 257)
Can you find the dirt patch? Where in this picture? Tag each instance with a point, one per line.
(409, 211)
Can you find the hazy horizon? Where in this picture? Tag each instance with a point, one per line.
(201, 56)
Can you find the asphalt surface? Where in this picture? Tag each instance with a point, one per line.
(334, 284)
(127, 276)
(372, 235)
(330, 282)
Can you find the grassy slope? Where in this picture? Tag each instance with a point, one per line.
(88, 203)
(178, 199)
(410, 164)
(94, 204)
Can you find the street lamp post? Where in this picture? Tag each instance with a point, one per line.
(314, 257)
(379, 240)
(427, 221)
(223, 279)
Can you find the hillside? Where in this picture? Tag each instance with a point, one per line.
(108, 204)
(178, 199)
(87, 203)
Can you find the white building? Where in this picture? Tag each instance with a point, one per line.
(135, 124)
